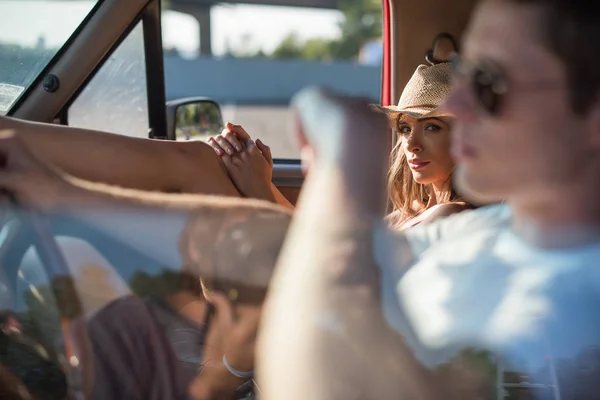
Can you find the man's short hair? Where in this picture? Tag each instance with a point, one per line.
(571, 30)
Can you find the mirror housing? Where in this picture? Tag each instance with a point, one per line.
(193, 118)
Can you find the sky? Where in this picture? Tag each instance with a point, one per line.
(24, 21)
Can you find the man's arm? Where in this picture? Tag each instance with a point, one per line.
(334, 343)
(145, 164)
(148, 221)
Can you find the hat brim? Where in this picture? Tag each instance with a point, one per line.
(393, 112)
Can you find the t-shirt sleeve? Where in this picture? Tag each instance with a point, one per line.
(423, 236)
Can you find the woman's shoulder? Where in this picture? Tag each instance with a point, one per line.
(395, 217)
(445, 210)
(465, 220)
(459, 218)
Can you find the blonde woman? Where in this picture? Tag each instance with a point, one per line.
(420, 177)
(419, 182)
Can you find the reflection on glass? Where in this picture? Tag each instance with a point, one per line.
(116, 100)
(31, 33)
(197, 121)
(121, 321)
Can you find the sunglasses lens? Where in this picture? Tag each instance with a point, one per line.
(487, 81)
(489, 87)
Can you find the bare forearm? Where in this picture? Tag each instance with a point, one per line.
(342, 346)
(149, 221)
(326, 263)
(144, 164)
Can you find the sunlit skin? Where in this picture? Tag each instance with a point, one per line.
(536, 138)
(538, 154)
(426, 145)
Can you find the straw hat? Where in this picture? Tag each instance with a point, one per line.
(424, 93)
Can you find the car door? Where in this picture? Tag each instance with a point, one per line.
(274, 51)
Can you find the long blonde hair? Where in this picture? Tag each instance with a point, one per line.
(407, 196)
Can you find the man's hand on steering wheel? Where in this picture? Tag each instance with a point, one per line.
(229, 350)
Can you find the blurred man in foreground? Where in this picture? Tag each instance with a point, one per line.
(506, 294)
(470, 303)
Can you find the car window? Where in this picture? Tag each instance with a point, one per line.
(273, 52)
(115, 100)
(29, 39)
(84, 304)
(42, 310)
(31, 330)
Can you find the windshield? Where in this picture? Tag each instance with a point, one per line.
(31, 33)
(59, 275)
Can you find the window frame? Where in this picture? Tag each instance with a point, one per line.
(150, 17)
(50, 65)
(89, 45)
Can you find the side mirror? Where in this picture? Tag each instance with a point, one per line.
(193, 118)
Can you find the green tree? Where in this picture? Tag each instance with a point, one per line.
(316, 49)
(257, 54)
(362, 23)
(289, 48)
(313, 49)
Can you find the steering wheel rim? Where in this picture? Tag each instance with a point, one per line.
(74, 357)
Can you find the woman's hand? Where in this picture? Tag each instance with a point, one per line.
(249, 163)
(232, 335)
(230, 141)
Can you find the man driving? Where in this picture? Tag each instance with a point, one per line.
(515, 282)
(499, 296)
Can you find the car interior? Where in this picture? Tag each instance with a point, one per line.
(100, 264)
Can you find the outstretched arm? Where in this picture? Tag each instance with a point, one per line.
(334, 342)
(148, 221)
(145, 164)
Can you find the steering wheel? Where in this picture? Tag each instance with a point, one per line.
(34, 228)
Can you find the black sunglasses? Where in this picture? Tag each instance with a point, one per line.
(490, 84)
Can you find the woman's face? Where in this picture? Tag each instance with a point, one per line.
(426, 145)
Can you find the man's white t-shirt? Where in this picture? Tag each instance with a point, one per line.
(474, 284)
